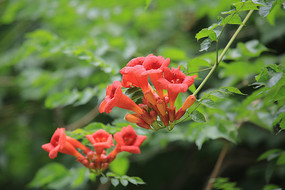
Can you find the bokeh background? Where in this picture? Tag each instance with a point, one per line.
(57, 57)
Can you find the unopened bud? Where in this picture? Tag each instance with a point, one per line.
(188, 102)
(131, 118)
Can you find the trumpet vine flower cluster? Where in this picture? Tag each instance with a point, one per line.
(158, 108)
(98, 160)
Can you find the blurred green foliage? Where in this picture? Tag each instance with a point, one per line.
(57, 58)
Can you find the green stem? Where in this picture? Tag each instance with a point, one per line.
(235, 35)
(223, 53)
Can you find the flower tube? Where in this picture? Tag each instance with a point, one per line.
(137, 120)
(174, 82)
(154, 69)
(116, 98)
(59, 143)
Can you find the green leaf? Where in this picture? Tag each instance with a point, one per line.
(110, 174)
(263, 76)
(205, 33)
(269, 76)
(260, 2)
(252, 48)
(192, 88)
(124, 182)
(228, 12)
(133, 181)
(208, 102)
(147, 3)
(197, 116)
(276, 8)
(246, 6)
(94, 127)
(233, 90)
(132, 90)
(272, 187)
(224, 184)
(232, 19)
(60, 183)
(281, 159)
(205, 45)
(265, 10)
(137, 96)
(195, 64)
(44, 36)
(120, 165)
(78, 177)
(115, 182)
(274, 79)
(280, 115)
(104, 179)
(62, 99)
(86, 96)
(269, 170)
(47, 174)
(282, 124)
(173, 53)
(137, 179)
(270, 154)
(218, 31)
(199, 132)
(218, 94)
(92, 176)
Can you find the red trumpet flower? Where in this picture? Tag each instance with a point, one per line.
(59, 143)
(135, 76)
(128, 141)
(116, 98)
(153, 67)
(174, 82)
(136, 61)
(100, 140)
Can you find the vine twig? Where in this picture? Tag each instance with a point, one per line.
(223, 53)
(85, 119)
(218, 165)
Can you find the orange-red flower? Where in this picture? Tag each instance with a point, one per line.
(174, 82)
(136, 61)
(158, 108)
(78, 144)
(152, 62)
(128, 141)
(100, 140)
(116, 98)
(59, 143)
(153, 66)
(154, 69)
(135, 76)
